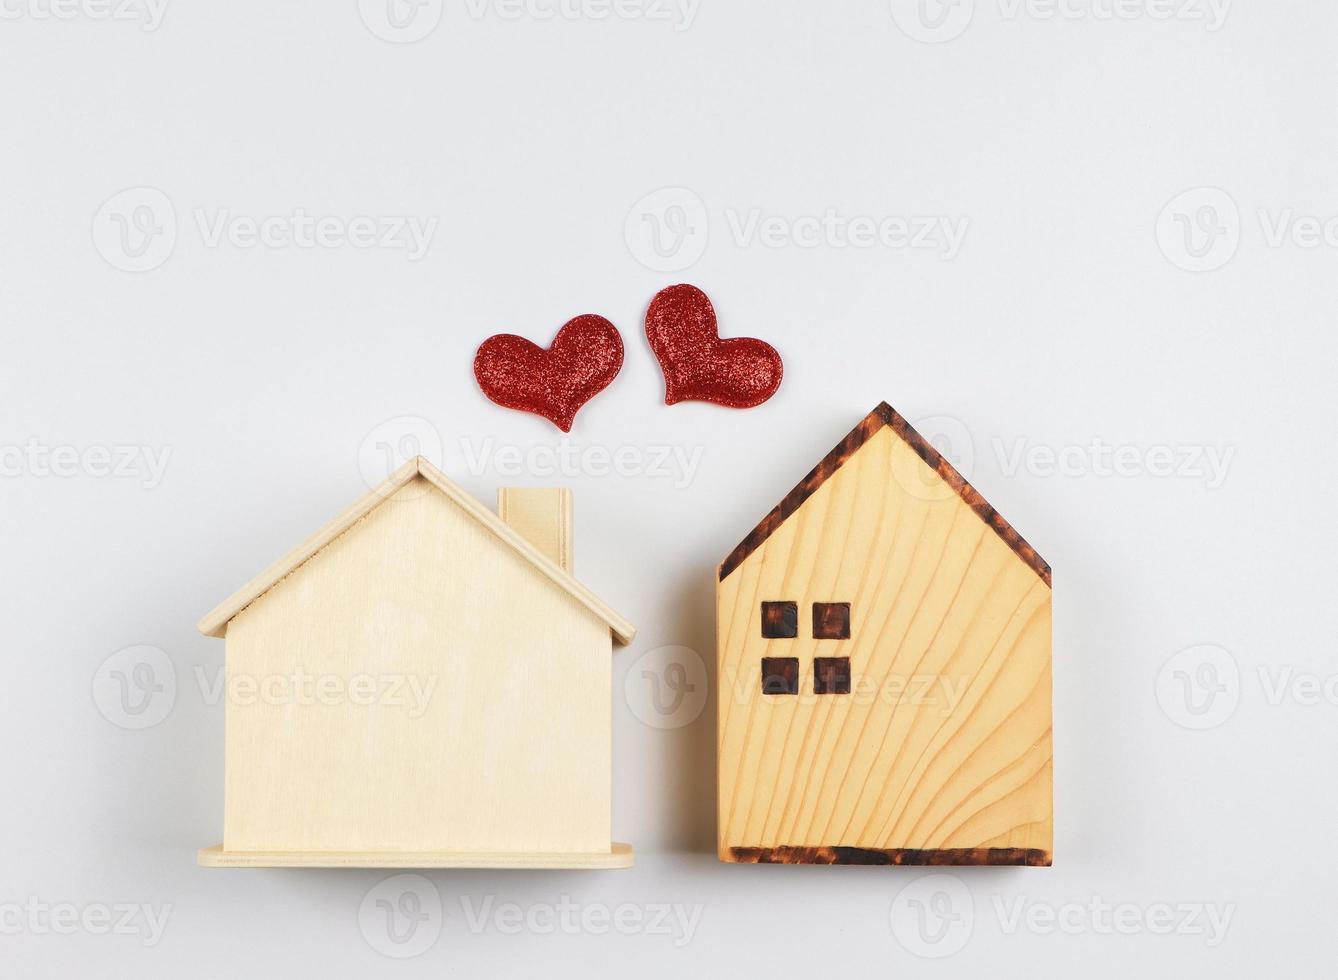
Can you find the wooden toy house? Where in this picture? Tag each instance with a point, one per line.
(884, 670)
(503, 757)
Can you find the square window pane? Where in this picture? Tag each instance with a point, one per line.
(780, 675)
(780, 620)
(831, 620)
(831, 675)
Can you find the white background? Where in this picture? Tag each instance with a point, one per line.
(1081, 315)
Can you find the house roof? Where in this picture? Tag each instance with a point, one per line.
(216, 623)
(884, 416)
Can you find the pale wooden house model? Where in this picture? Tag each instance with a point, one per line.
(459, 709)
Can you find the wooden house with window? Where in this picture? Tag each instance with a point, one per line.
(884, 670)
(421, 683)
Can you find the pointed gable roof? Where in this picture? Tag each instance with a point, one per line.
(216, 623)
(884, 416)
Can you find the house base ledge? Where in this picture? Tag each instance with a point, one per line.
(621, 856)
(907, 857)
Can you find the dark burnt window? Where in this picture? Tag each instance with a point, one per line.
(831, 675)
(780, 620)
(780, 675)
(831, 620)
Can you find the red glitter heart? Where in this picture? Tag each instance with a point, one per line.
(698, 366)
(585, 357)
